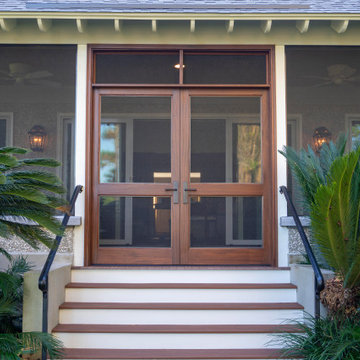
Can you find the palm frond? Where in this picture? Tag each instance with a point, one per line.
(32, 235)
(53, 188)
(5, 253)
(10, 347)
(39, 162)
(40, 176)
(26, 192)
(13, 150)
(35, 340)
(8, 160)
(325, 229)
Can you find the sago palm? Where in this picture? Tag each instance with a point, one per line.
(311, 170)
(335, 218)
(27, 193)
(330, 184)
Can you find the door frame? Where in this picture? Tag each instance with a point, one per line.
(92, 87)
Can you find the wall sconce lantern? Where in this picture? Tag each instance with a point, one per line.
(321, 135)
(37, 138)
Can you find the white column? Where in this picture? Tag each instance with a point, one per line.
(280, 73)
(80, 151)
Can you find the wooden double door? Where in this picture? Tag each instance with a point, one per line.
(182, 176)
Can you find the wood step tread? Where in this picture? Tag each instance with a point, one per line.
(81, 285)
(179, 267)
(178, 329)
(182, 306)
(172, 354)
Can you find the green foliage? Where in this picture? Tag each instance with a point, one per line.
(330, 185)
(323, 339)
(13, 342)
(311, 170)
(11, 291)
(28, 193)
(12, 346)
(335, 215)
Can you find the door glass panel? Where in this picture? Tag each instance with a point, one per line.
(226, 139)
(226, 222)
(135, 139)
(246, 152)
(134, 221)
(137, 68)
(224, 69)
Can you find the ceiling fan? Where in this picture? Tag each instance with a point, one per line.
(22, 74)
(338, 74)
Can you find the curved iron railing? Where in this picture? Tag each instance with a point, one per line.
(319, 279)
(44, 275)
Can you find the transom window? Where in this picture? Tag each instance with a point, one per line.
(181, 67)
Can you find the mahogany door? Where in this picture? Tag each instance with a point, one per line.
(181, 176)
(226, 144)
(135, 172)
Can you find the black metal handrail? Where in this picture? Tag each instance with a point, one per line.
(44, 275)
(319, 279)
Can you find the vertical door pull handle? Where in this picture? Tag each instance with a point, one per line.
(185, 192)
(175, 189)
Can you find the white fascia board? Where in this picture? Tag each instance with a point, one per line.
(175, 16)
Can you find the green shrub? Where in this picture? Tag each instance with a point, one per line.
(13, 342)
(336, 338)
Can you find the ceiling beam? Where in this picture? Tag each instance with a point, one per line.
(7, 24)
(230, 26)
(81, 25)
(340, 26)
(192, 25)
(118, 25)
(302, 26)
(44, 24)
(154, 25)
(266, 26)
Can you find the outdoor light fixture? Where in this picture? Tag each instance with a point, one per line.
(37, 138)
(177, 66)
(321, 135)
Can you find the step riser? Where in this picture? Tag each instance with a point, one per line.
(181, 276)
(164, 341)
(176, 317)
(181, 295)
